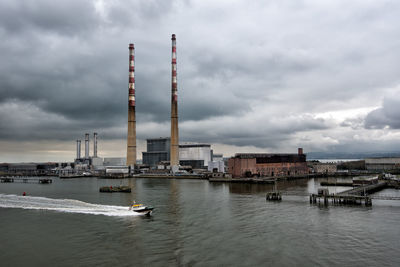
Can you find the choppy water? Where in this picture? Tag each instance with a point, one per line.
(195, 223)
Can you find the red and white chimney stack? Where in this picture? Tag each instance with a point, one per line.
(174, 153)
(131, 142)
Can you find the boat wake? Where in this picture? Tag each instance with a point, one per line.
(62, 205)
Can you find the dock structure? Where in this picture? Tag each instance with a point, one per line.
(356, 196)
(341, 199)
(274, 195)
(329, 183)
(26, 180)
(113, 189)
(365, 189)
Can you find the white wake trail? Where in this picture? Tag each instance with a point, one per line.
(62, 205)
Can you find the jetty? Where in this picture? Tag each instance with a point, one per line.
(329, 183)
(113, 189)
(26, 180)
(356, 196)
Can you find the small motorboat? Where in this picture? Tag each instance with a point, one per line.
(142, 209)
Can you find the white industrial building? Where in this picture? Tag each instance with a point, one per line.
(382, 164)
(218, 166)
(195, 155)
(217, 163)
(114, 162)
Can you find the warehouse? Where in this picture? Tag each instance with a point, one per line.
(382, 164)
(266, 165)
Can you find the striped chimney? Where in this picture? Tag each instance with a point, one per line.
(131, 142)
(174, 161)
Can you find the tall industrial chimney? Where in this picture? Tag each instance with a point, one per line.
(86, 146)
(174, 162)
(131, 142)
(300, 151)
(94, 145)
(78, 149)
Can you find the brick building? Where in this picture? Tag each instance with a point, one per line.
(266, 165)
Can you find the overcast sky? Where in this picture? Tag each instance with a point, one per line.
(252, 75)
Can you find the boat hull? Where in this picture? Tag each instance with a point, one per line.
(144, 211)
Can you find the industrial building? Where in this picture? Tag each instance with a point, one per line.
(217, 164)
(266, 165)
(29, 168)
(158, 149)
(382, 164)
(114, 162)
(195, 155)
(87, 161)
(327, 168)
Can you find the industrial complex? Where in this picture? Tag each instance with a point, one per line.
(166, 155)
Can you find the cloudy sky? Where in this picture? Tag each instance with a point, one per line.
(252, 75)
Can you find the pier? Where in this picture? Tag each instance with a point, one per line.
(341, 199)
(356, 196)
(26, 180)
(329, 183)
(113, 189)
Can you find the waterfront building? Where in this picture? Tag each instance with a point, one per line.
(328, 168)
(195, 155)
(158, 149)
(266, 165)
(382, 164)
(114, 162)
(217, 164)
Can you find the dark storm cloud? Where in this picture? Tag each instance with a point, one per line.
(386, 116)
(256, 130)
(248, 74)
(68, 17)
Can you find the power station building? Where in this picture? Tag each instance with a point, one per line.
(158, 150)
(266, 165)
(195, 155)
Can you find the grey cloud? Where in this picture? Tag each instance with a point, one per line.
(354, 123)
(61, 17)
(65, 63)
(386, 116)
(261, 132)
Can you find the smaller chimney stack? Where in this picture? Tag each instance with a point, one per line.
(300, 151)
(86, 146)
(78, 149)
(95, 145)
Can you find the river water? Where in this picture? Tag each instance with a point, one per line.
(195, 223)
